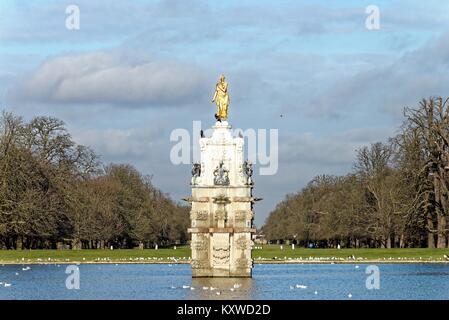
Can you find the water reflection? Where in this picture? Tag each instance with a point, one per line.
(222, 288)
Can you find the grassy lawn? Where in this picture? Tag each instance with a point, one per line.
(268, 252)
(182, 254)
(131, 255)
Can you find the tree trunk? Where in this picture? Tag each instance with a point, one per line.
(441, 242)
(430, 237)
(76, 244)
(388, 245)
(430, 240)
(402, 241)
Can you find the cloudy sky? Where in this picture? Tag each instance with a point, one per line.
(136, 70)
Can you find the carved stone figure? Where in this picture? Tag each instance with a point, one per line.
(248, 171)
(221, 177)
(196, 173)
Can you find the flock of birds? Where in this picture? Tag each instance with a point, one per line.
(217, 290)
(237, 286)
(6, 284)
(301, 286)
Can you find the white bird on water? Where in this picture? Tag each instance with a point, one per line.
(349, 296)
(7, 284)
(26, 269)
(301, 286)
(185, 287)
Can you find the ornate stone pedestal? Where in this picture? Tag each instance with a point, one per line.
(222, 207)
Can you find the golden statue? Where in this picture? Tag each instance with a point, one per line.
(221, 99)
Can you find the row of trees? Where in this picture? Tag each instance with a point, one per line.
(396, 196)
(55, 193)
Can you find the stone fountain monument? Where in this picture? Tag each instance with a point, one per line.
(222, 202)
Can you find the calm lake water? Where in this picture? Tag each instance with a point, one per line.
(134, 281)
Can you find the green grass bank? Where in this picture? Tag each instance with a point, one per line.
(268, 254)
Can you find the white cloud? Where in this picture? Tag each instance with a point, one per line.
(112, 78)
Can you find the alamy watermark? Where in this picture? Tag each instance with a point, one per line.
(72, 21)
(73, 279)
(263, 146)
(372, 22)
(373, 280)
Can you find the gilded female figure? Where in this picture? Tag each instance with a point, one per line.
(221, 99)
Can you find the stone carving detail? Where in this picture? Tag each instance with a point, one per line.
(196, 173)
(199, 264)
(243, 243)
(241, 215)
(201, 215)
(199, 244)
(220, 215)
(248, 171)
(221, 199)
(221, 175)
(221, 254)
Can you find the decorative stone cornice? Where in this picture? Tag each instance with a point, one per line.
(221, 199)
(221, 230)
(199, 199)
(246, 199)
